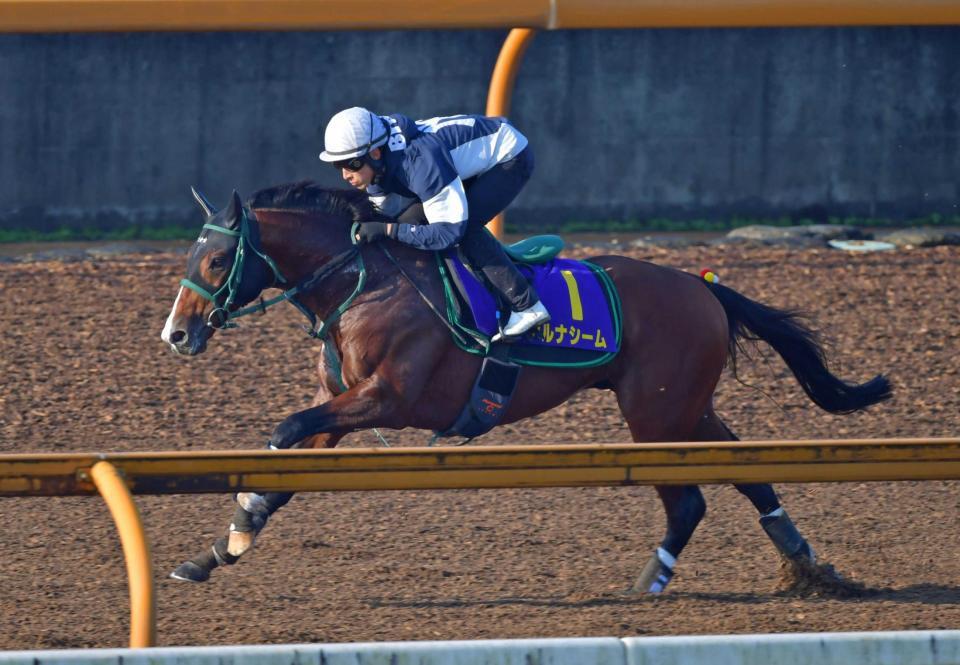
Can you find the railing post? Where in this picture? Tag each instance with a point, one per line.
(501, 88)
(136, 553)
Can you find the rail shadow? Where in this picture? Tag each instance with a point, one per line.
(612, 599)
(922, 594)
(926, 594)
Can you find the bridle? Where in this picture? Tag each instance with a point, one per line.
(223, 298)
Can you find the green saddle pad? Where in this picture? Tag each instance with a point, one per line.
(535, 249)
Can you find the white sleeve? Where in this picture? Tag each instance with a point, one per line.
(447, 205)
(391, 205)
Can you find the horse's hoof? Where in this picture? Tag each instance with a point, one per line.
(190, 572)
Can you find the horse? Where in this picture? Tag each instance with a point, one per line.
(388, 359)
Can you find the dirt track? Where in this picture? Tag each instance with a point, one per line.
(83, 369)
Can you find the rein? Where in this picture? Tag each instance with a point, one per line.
(222, 316)
(332, 266)
(480, 340)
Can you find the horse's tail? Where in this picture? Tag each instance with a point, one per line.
(800, 348)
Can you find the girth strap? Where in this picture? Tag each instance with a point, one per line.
(491, 395)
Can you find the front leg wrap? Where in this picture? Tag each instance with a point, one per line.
(253, 511)
(220, 554)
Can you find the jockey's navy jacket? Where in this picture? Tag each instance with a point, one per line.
(428, 160)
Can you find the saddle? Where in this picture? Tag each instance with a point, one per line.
(585, 326)
(584, 330)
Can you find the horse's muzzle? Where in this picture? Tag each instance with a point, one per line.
(184, 344)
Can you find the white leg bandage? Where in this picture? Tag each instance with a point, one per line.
(253, 503)
(666, 558)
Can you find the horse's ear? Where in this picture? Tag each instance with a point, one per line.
(207, 207)
(234, 212)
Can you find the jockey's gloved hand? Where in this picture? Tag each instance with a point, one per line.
(374, 231)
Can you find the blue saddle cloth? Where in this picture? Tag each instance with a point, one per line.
(583, 305)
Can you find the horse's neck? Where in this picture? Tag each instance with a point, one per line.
(298, 243)
(301, 244)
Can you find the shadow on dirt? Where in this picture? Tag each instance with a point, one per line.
(925, 594)
(612, 599)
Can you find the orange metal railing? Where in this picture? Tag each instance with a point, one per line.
(136, 553)
(501, 88)
(118, 476)
(154, 15)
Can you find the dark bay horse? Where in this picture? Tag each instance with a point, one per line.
(389, 361)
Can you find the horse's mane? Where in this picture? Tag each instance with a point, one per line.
(308, 195)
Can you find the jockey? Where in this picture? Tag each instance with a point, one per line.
(442, 179)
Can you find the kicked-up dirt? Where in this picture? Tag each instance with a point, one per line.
(83, 369)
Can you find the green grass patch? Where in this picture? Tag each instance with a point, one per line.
(65, 234)
(666, 225)
(655, 224)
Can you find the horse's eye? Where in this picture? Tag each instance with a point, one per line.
(218, 262)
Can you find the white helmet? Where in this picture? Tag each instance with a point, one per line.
(352, 133)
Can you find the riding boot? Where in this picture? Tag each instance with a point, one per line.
(486, 255)
(521, 322)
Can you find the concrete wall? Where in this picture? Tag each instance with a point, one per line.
(114, 128)
(926, 647)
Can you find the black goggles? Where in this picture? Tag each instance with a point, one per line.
(352, 164)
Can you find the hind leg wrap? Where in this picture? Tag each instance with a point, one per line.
(685, 507)
(784, 534)
(776, 523)
(658, 572)
(774, 519)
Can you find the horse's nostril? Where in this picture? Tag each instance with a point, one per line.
(178, 337)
